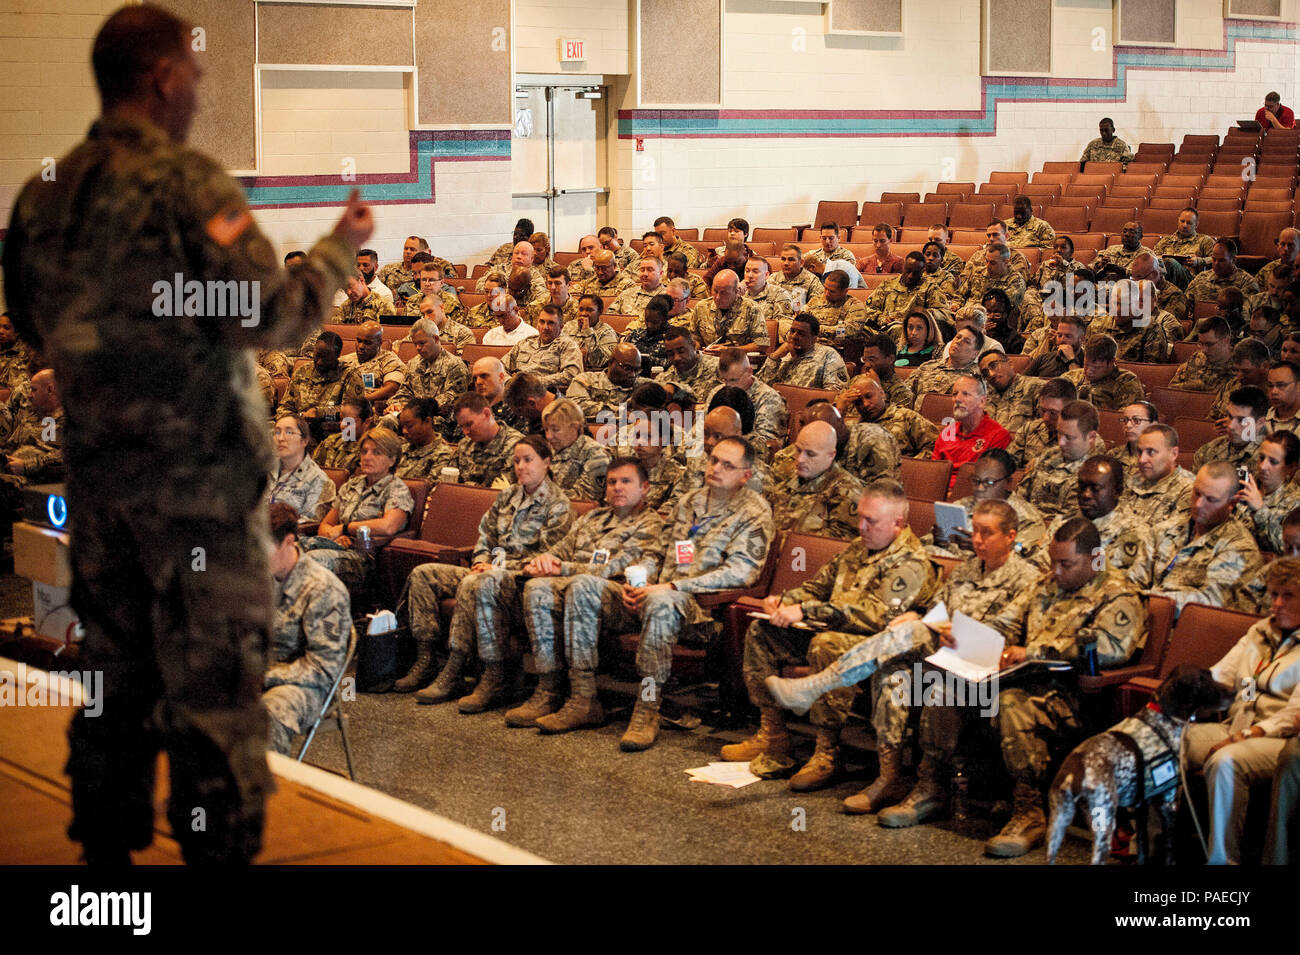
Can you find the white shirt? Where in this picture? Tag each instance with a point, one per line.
(499, 336)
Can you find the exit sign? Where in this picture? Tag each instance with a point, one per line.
(572, 50)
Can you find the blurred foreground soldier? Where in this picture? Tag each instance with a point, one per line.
(167, 447)
(309, 634)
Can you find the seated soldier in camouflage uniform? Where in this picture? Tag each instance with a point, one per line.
(1251, 594)
(1185, 252)
(501, 257)
(1283, 396)
(1026, 230)
(1101, 382)
(1134, 420)
(820, 497)
(801, 361)
(728, 319)
(484, 314)
(980, 586)
(424, 452)
(578, 461)
(488, 378)
(553, 357)
(895, 298)
(991, 481)
(716, 538)
(837, 310)
(527, 519)
(319, 388)
(583, 268)
(666, 229)
(397, 275)
(879, 353)
(600, 394)
(1056, 267)
(977, 265)
(1171, 304)
(1246, 408)
(557, 294)
(1140, 332)
(688, 367)
(632, 300)
(830, 251)
(601, 543)
(650, 442)
(913, 433)
(1270, 491)
(523, 268)
(730, 415)
(1121, 254)
(381, 371)
(362, 304)
(648, 334)
(596, 339)
(1126, 543)
(1072, 611)
(342, 449)
(528, 398)
(33, 452)
(676, 269)
(771, 417)
(801, 285)
(879, 576)
(296, 479)
(1012, 396)
(14, 355)
(1108, 148)
(483, 455)
(376, 498)
(606, 280)
(310, 633)
(1040, 435)
(429, 281)
(1068, 353)
(1158, 489)
(938, 374)
(1222, 273)
(434, 371)
(772, 301)
(942, 259)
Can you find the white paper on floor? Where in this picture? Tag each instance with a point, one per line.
(731, 775)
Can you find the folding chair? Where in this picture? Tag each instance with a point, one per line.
(331, 711)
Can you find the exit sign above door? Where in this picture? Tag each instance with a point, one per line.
(572, 51)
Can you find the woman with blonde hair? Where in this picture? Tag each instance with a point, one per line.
(578, 461)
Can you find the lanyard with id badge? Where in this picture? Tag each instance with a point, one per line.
(1250, 688)
(686, 548)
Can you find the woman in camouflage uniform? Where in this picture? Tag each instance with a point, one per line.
(298, 480)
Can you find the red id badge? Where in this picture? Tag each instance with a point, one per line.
(686, 552)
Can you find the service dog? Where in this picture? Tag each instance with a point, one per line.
(1132, 765)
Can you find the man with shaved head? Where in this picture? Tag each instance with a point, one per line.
(728, 318)
(721, 422)
(605, 279)
(820, 497)
(771, 421)
(1170, 299)
(1288, 247)
(582, 268)
(600, 393)
(912, 432)
(488, 378)
(1121, 254)
(382, 372)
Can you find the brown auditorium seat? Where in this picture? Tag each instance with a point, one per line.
(470, 299)
(1204, 205)
(617, 322)
(1089, 190)
(1194, 433)
(1111, 219)
(925, 480)
(1174, 403)
(963, 189)
(1140, 167)
(472, 353)
(936, 407)
(713, 235)
(689, 235)
(1088, 201)
(1092, 179)
(1160, 619)
(450, 539)
(1269, 193)
(1259, 231)
(1208, 191)
(1162, 221)
(461, 284)
(779, 236)
(924, 214)
(1042, 190)
(873, 212)
(1219, 224)
(1152, 376)
(920, 515)
(1099, 168)
(1199, 311)
(1172, 202)
(337, 475)
(999, 192)
(1122, 201)
(797, 398)
(1131, 179)
(1173, 178)
(1009, 177)
(1109, 427)
(1201, 139)
(970, 215)
(1156, 148)
(1050, 179)
(841, 212)
(1061, 166)
(1202, 637)
(902, 197)
(1091, 241)
(462, 269)
(1068, 218)
(479, 271)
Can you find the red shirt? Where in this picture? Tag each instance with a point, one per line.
(952, 445)
(872, 264)
(1285, 115)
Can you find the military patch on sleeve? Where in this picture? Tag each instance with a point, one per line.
(228, 225)
(1122, 618)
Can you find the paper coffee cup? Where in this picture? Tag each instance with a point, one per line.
(635, 575)
(451, 475)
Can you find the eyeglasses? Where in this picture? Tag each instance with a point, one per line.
(286, 433)
(987, 482)
(1134, 420)
(725, 465)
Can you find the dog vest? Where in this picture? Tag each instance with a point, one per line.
(1157, 760)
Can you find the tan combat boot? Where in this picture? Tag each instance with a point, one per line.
(643, 729)
(1026, 828)
(546, 699)
(890, 786)
(490, 691)
(820, 771)
(422, 670)
(582, 708)
(927, 800)
(770, 740)
(799, 695)
(449, 684)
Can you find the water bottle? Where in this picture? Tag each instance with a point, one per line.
(363, 539)
(1090, 659)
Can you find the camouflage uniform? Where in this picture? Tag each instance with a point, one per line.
(591, 286)
(891, 302)
(849, 314)
(1031, 528)
(1034, 234)
(1170, 298)
(1266, 271)
(579, 271)
(594, 393)
(692, 479)
(1201, 570)
(1221, 449)
(1274, 424)
(502, 256)
(1125, 542)
(568, 311)
(1118, 255)
(515, 529)
(914, 434)
(1016, 407)
(453, 334)
(1146, 344)
(1197, 374)
(1052, 270)
(936, 376)
(1266, 523)
(819, 257)
(482, 315)
(953, 264)
(307, 389)
(1040, 714)
(597, 341)
(335, 452)
(1168, 497)
(535, 292)
(870, 452)
(1031, 441)
(633, 299)
(693, 258)
(771, 417)
(649, 343)
(617, 541)
(700, 381)
(13, 365)
(383, 368)
(1100, 151)
(774, 305)
(1117, 390)
(1013, 283)
(372, 308)
(820, 367)
(805, 282)
(556, 363)
(827, 505)
(357, 500)
(483, 463)
(266, 384)
(580, 468)
(1199, 246)
(975, 266)
(896, 390)
(1206, 286)
(731, 539)
(855, 594)
(451, 305)
(395, 275)
(665, 481)
(310, 633)
(307, 489)
(444, 379)
(742, 324)
(425, 463)
(1051, 484)
(276, 362)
